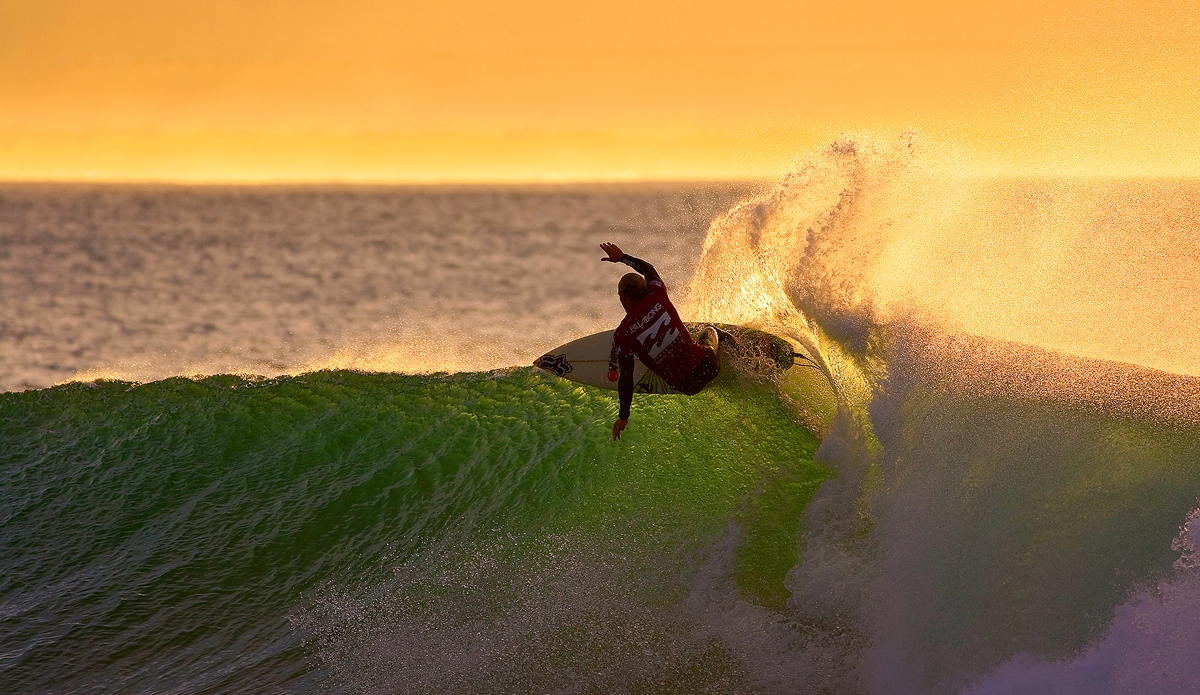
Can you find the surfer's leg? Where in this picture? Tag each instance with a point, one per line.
(702, 373)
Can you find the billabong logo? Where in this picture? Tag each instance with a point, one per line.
(555, 363)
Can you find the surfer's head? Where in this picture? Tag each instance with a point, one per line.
(631, 288)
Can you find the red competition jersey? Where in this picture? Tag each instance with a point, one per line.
(653, 332)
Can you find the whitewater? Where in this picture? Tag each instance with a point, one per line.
(286, 439)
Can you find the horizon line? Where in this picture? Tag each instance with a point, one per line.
(1000, 173)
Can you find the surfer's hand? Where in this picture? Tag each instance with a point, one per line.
(617, 427)
(615, 254)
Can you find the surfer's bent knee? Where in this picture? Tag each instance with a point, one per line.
(702, 374)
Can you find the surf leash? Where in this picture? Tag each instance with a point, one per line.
(802, 356)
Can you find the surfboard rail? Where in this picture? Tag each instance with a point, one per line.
(589, 360)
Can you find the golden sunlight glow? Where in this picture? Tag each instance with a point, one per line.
(265, 90)
(1062, 267)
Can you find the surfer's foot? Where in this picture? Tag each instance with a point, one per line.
(708, 337)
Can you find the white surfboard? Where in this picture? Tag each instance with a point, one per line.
(806, 382)
(588, 360)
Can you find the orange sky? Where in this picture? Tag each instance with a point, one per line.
(463, 89)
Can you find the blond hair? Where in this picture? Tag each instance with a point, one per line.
(633, 285)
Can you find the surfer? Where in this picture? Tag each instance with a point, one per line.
(653, 332)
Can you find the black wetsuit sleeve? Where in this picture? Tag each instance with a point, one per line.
(625, 384)
(642, 267)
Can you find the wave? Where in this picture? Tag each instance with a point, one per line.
(975, 514)
(999, 504)
(163, 533)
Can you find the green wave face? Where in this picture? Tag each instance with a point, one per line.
(981, 516)
(197, 534)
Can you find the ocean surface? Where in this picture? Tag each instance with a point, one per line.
(286, 439)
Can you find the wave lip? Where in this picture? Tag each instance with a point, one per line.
(1001, 492)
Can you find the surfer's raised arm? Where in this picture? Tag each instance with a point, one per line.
(615, 255)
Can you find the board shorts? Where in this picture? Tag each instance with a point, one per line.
(701, 374)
